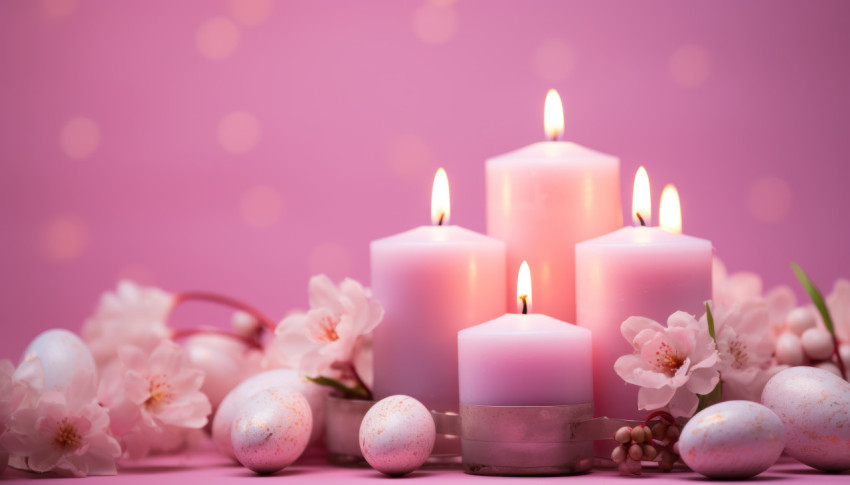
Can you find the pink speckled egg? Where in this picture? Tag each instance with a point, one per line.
(271, 429)
(226, 412)
(397, 435)
(733, 439)
(814, 406)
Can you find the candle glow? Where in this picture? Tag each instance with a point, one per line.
(670, 212)
(440, 205)
(553, 116)
(523, 289)
(641, 201)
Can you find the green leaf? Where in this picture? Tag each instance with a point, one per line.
(710, 319)
(816, 296)
(350, 392)
(716, 394)
(713, 397)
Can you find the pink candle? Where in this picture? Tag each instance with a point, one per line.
(641, 271)
(524, 359)
(433, 281)
(542, 200)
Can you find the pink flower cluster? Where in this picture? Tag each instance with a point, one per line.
(332, 339)
(62, 431)
(757, 334)
(134, 390)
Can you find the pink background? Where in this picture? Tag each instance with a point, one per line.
(240, 147)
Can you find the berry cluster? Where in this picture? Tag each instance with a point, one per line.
(658, 442)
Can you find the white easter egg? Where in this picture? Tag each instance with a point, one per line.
(271, 429)
(63, 354)
(733, 439)
(814, 406)
(397, 435)
(240, 394)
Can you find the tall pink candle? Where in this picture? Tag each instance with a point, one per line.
(525, 360)
(433, 281)
(542, 200)
(635, 271)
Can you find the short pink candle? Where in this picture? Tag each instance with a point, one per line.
(635, 271)
(525, 360)
(433, 281)
(544, 198)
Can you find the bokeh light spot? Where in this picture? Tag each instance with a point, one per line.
(332, 259)
(137, 273)
(79, 138)
(554, 60)
(434, 24)
(690, 65)
(217, 38)
(251, 12)
(238, 132)
(64, 238)
(408, 156)
(770, 199)
(261, 206)
(58, 8)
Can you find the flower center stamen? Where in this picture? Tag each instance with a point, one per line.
(160, 392)
(738, 351)
(67, 437)
(327, 328)
(667, 360)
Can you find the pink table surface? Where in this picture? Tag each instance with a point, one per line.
(206, 466)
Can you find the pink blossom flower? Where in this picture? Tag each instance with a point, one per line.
(132, 315)
(730, 289)
(19, 389)
(329, 332)
(154, 398)
(65, 432)
(745, 345)
(671, 365)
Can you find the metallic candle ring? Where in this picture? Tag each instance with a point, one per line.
(525, 440)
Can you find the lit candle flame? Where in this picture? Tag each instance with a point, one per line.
(641, 201)
(670, 214)
(523, 289)
(440, 207)
(553, 116)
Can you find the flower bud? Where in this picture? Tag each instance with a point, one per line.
(619, 454)
(623, 435)
(636, 452)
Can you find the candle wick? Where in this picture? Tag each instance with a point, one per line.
(442, 216)
(524, 304)
(642, 222)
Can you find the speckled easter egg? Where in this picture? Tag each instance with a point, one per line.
(397, 435)
(733, 439)
(814, 406)
(240, 394)
(63, 354)
(271, 429)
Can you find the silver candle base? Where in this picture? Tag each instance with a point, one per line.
(525, 440)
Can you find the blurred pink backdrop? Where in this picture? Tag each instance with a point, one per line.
(241, 146)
